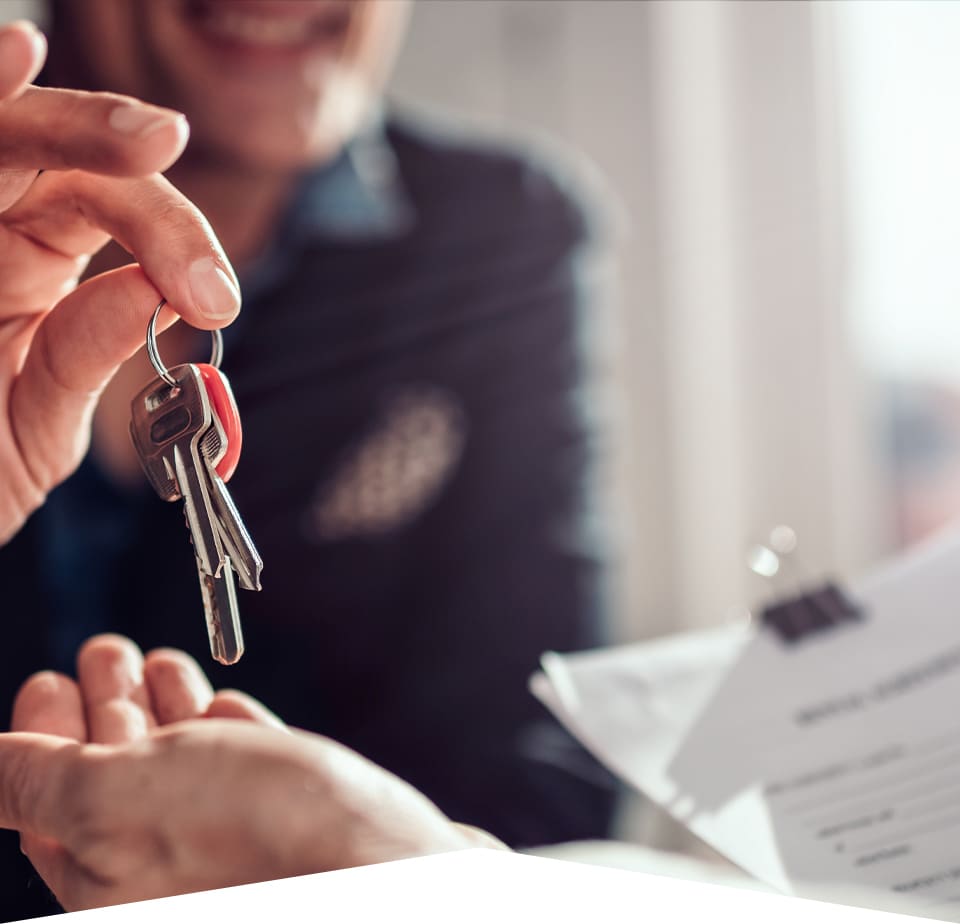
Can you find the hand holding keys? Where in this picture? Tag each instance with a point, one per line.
(186, 430)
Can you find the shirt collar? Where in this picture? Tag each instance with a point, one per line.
(358, 196)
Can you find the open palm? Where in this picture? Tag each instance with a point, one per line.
(131, 783)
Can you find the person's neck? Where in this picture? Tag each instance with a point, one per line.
(242, 205)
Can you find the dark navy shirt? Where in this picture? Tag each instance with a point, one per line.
(415, 471)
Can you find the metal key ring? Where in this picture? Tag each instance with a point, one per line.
(216, 354)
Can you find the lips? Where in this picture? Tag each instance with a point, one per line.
(270, 24)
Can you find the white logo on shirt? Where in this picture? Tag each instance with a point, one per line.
(397, 471)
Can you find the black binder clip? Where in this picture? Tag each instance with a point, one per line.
(814, 611)
(801, 615)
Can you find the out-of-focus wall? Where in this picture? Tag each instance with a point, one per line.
(18, 9)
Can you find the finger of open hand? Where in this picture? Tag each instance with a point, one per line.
(46, 128)
(71, 213)
(234, 704)
(50, 703)
(179, 689)
(22, 52)
(115, 695)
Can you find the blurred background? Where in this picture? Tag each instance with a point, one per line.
(784, 344)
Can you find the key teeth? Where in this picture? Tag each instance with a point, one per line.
(196, 555)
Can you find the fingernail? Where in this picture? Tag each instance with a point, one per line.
(141, 121)
(215, 293)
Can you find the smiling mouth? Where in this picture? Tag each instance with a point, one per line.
(270, 25)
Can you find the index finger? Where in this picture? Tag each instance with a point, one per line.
(46, 128)
(53, 129)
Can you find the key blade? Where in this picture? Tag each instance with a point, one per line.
(222, 614)
(196, 505)
(233, 533)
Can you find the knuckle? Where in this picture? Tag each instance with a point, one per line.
(17, 797)
(177, 216)
(85, 804)
(47, 796)
(155, 211)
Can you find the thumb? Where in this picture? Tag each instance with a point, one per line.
(34, 779)
(73, 354)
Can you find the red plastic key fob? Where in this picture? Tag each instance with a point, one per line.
(225, 407)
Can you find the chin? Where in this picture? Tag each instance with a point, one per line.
(282, 137)
(266, 154)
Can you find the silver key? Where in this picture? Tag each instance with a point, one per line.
(222, 614)
(226, 636)
(168, 425)
(237, 543)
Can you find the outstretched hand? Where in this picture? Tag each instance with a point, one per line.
(134, 783)
(77, 169)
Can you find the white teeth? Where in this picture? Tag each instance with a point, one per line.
(257, 30)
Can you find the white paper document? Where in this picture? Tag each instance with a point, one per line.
(833, 761)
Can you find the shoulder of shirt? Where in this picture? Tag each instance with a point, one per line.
(522, 186)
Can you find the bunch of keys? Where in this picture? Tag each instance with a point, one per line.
(186, 430)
